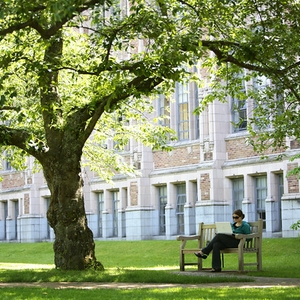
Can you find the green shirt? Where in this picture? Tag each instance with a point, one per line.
(243, 229)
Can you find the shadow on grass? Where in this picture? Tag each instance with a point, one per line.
(111, 275)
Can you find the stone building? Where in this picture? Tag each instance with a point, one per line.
(210, 172)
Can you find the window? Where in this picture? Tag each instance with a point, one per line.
(280, 186)
(183, 111)
(181, 199)
(7, 166)
(239, 115)
(15, 205)
(237, 192)
(280, 192)
(100, 215)
(260, 83)
(239, 110)
(115, 211)
(260, 197)
(197, 127)
(262, 114)
(5, 210)
(6, 162)
(163, 110)
(162, 208)
(195, 191)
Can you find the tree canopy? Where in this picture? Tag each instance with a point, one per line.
(96, 66)
(263, 38)
(67, 63)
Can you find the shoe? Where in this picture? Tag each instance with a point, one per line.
(216, 270)
(201, 255)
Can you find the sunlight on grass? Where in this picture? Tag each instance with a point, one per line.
(121, 275)
(41, 267)
(142, 262)
(18, 266)
(156, 255)
(158, 268)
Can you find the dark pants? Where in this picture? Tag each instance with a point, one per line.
(220, 242)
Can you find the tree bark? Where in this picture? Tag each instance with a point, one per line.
(74, 247)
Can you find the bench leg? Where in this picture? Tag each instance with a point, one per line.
(259, 260)
(222, 259)
(241, 262)
(181, 261)
(199, 264)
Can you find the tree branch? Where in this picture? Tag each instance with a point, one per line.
(9, 108)
(18, 138)
(138, 84)
(49, 32)
(224, 56)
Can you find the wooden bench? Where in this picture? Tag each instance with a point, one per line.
(249, 243)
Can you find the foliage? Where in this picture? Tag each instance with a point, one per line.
(260, 37)
(119, 127)
(99, 66)
(100, 71)
(296, 225)
(256, 59)
(94, 72)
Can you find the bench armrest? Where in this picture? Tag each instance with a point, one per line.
(246, 236)
(188, 237)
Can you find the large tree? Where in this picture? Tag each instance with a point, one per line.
(66, 66)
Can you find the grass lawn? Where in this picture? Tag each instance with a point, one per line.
(143, 261)
(165, 294)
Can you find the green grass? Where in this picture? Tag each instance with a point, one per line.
(146, 262)
(124, 261)
(280, 256)
(111, 275)
(166, 294)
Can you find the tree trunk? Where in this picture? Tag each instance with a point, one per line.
(74, 247)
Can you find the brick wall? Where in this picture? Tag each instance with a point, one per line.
(181, 156)
(133, 193)
(205, 186)
(13, 180)
(293, 181)
(239, 148)
(294, 144)
(26, 204)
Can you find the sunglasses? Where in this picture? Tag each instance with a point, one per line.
(235, 217)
